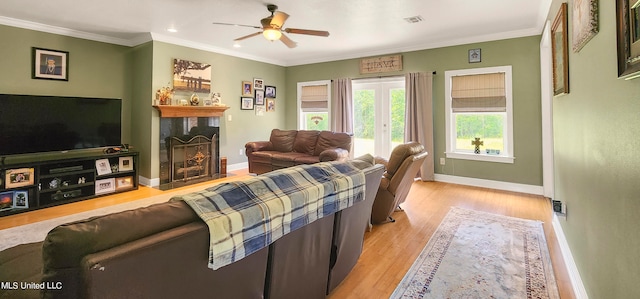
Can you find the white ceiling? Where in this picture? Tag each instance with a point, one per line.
(359, 28)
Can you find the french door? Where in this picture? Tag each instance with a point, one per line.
(379, 111)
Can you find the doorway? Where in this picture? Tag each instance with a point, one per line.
(379, 112)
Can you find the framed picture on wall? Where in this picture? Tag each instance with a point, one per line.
(560, 53)
(259, 97)
(50, 64)
(247, 89)
(246, 103)
(270, 92)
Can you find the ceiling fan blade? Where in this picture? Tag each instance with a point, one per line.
(238, 25)
(247, 36)
(278, 19)
(307, 32)
(287, 41)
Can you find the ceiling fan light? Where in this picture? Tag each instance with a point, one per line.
(272, 34)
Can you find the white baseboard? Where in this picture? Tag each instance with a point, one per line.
(576, 281)
(148, 182)
(155, 182)
(237, 166)
(506, 186)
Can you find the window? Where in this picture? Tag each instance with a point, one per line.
(313, 105)
(478, 104)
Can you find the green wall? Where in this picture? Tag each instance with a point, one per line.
(95, 69)
(597, 166)
(522, 53)
(228, 72)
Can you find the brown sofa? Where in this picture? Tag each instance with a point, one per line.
(287, 148)
(161, 251)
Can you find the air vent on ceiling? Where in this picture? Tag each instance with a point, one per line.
(414, 19)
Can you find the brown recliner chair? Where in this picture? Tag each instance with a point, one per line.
(401, 170)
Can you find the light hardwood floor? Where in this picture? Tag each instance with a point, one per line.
(391, 248)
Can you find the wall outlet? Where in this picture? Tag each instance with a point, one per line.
(241, 151)
(559, 208)
(443, 161)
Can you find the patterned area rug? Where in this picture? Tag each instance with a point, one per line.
(480, 255)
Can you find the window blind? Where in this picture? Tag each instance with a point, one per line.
(314, 96)
(478, 93)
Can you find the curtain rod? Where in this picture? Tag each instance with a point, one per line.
(380, 77)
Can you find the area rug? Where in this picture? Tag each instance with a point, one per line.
(481, 255)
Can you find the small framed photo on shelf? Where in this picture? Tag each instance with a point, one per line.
(247, 89)
(270, 92)
(50, 64)
(246, 103)
(19, 177)
(125, 163)
(6, 200)
(259, 97)
(258, 84)
(105, 186)
(103, 167)
(21, 199)
(123, 183)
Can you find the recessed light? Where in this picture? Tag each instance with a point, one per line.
(172, 30)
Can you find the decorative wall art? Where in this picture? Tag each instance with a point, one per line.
(247, 89)
(246, 103)
(382, 64)
(475, 55)
(628, 36)
(270, 92)
(191, 76)
(271, 105)
(50, 64)
(560, 53)
(585, 22)
(259, 97)
(258, 84)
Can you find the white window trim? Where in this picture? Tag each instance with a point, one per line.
(507, 156)
(299, 100)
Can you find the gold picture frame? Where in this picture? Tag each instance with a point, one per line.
(19, 177)
(559, 45)
(584, 19)
(628, 38)
(247, 89)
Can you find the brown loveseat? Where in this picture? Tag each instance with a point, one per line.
(161, 251)
(287, 148)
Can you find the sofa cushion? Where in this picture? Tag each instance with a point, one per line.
(282, 140)
(305, 141)
(287, 156)
(328, 139)
(307, 159)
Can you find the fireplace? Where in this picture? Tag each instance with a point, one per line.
(189, 150)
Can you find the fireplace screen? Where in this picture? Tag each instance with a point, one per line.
(193, 158)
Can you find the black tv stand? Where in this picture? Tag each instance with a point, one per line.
(39, 181)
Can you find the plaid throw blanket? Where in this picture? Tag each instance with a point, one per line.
(244, 217)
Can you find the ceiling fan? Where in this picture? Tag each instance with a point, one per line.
(272, 28)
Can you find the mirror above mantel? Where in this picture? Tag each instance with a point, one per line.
(190, 111)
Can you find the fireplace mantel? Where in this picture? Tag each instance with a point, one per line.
(191, 111)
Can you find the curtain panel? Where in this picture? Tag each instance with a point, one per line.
(419, 117)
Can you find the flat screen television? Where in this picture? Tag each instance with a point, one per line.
(33, 124)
